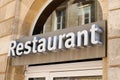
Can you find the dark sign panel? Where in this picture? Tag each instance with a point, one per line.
(70, 44)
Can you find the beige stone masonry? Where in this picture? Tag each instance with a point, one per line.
(114, 24)
(2, 77)
(5, 2)
(104, 6)
(3, 63)
(114, 73)
(4, 44)
(7, 11)
(6, 27)
(25, 6)
(114, 4)
(114, 51)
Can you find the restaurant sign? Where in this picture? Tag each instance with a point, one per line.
(85, 37)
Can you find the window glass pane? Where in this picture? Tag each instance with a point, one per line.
(87, 15)
(73, 13)
(61, 14)
(63, 26)
(36, 79)
(58, 19)
(79, 78)
(86, 21)
(86, 9)
(58, 26)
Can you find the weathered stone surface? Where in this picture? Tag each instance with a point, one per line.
(10, 10)
(114, 4)
(7, 11)
(2, 13)
(2, 77)
(4, 44)
(3, 63)
(104, 7)
(114, 73)
(6, 27)
(26, 26)
(114, 51)
(4, 2)
(114, 23)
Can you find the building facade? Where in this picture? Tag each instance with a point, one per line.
(22, 20)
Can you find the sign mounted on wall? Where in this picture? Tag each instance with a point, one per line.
(79, 39)
(70, 44)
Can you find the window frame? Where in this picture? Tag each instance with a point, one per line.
(82, 69)
(83, 13)
(63, 9)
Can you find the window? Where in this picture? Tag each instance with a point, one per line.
(85, 12)
(60, 16)
(90, 70)
(36, 79)
(79, 78)
(72, 13)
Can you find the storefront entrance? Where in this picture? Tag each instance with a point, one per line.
(71, 71)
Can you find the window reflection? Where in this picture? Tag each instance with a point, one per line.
(73, 13)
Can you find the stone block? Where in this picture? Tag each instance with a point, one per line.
(114, 4)
(114, 23)
(2, 76)
(104, 7)
(3, 61)
(114, 73)
(4, 2)
(2, 13)
(114, 51)
(29, 15)
(10, 10)
(4, 44)
(6, 27)
(25, 6)
(7, 11)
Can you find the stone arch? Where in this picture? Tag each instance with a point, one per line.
(36, 19)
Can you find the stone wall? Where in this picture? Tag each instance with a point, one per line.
(12, 16)
(7, 9)
(17, 18)
(114, 40)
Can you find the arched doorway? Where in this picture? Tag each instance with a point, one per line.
(52, 7)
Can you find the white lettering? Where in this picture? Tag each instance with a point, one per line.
(70, 42)
(27, 47)
(19, 49)
(95, 34)
(52, 43)
(12, 48)
(34, 45)
(42, 45)
(82, 38)
(61, 40)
